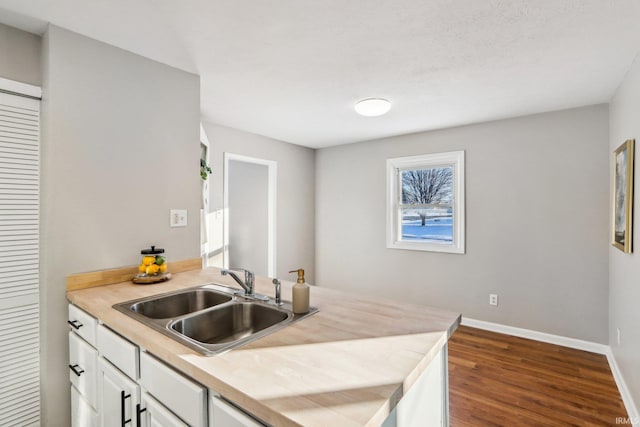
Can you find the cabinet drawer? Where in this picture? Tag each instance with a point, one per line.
(83, 364)
(83, 324)
(224, 414)
(122, 353)
(82, 414)
(182, 396)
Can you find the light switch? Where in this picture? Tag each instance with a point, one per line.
(178, 218)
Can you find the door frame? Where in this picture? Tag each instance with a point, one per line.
(272, 168)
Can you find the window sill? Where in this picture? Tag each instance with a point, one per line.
(426, 247)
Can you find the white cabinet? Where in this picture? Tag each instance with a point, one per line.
(223, 414)
(105, 390)
(122, 353)
(426, 403)
(114, 384)
(82, 414)
(118, 396)
(83, 324)
(151, 413)
(83, 368)
(83, 363)
(118, 391)
(182, 396)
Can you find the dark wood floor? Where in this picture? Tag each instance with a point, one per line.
(501, 380)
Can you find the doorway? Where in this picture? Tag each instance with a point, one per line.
(249, 214)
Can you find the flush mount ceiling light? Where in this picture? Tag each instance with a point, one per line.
(372, 107)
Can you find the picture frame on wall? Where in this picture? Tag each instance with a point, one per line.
(622, 227)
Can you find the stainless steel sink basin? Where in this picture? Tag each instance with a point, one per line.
(179, 304)
(230, 323)
(211, 318)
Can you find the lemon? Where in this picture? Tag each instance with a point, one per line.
(148, 260)
(163, 267)
(142, 268)
(152, 269)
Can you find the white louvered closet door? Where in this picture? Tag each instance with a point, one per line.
(19, 283)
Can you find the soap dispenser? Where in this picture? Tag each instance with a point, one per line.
(300, 293)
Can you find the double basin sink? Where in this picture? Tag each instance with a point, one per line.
(211, 318)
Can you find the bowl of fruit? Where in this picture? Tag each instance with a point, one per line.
(153, 267)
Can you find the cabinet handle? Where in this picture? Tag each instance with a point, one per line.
(139, 412)
(123, 397)
(75, 323)
(77, 371)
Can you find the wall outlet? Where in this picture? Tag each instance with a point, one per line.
(618, 335)
(493, 299)
(178, 218)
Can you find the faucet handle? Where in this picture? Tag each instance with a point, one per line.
(278, 285)
(248, 276)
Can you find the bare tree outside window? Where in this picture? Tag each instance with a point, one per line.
(425, 202)
(426, 187)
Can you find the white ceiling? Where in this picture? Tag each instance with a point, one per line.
(292, 69)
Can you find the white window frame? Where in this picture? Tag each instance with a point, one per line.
(394, 215)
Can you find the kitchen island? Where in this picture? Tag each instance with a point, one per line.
(350, 364)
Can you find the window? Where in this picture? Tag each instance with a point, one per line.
(425, 202)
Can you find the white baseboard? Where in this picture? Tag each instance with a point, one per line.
(632, 410)
(538, 336)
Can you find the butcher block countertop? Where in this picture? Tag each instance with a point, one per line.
(347, 365)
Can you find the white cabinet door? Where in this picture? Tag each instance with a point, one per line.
(82, 414)
(223, 414)
(83, 366)
(118, 396)
(151, 413)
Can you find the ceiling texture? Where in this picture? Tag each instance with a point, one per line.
(293, 69)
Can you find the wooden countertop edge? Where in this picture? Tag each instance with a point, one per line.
(177, 355)
(123, 274)
(411, 379)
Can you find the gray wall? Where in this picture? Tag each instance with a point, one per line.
(20, 54)
(248, 216)
(295, 192)
(624, 269)
(537, 214)
(120, 148)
